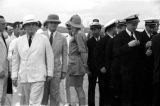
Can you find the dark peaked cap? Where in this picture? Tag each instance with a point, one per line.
(151, 21)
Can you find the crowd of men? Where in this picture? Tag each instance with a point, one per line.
(126, 62)
(123, 61)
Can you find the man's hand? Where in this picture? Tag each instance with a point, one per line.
(48, 78)
(133, 43)
(2, 74)
(148, 52)
(148, 44)
(103, 70)
(14, 82)
(63, 75)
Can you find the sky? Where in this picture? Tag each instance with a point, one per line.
(104, 10)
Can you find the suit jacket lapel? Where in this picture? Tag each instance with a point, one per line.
(2, 42)
(28, 49)
(55, 39)
(127, 36)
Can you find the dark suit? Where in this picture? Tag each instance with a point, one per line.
(149, 72)
(132, 68)
(156, 72)
(96, 60)
(115, 66)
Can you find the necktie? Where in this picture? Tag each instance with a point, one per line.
(151, 36)
(51, 38)
(30, 40)
(4, 39)
(132, 35)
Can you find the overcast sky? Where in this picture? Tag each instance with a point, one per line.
(104, 10)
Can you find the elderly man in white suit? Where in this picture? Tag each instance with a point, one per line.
(60, 50)
(32, 61)
(3, 63)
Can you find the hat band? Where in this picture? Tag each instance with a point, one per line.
(136, 18)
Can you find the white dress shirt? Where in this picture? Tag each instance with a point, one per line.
(49, 33)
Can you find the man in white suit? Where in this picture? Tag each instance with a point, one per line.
(60, 50)
(3, 63)
(32, 61)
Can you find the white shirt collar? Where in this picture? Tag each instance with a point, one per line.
(129, 33)
(110, 35)
(148, 33)
(97, 39)
(49, 33)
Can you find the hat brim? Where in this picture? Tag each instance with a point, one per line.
(75, 25)
(133, 21)
(29, 22)
(56, 21)
(95, 26)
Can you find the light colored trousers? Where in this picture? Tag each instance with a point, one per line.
(18, 95)
(3, 90)
(33, 93)
(52, 89)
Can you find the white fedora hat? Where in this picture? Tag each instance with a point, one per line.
(29, 19)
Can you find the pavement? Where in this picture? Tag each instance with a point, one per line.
(16, 96)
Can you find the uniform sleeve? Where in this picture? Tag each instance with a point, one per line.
(64, 55)
(49, 58)
(15, 62)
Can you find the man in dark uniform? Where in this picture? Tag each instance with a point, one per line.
(96, 65)
(129, 49)
(121, 25)
(156, 71)
(151, 28)
(115, 67)
(90, 32)
(110, 33)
